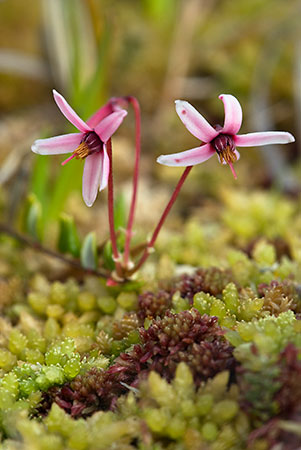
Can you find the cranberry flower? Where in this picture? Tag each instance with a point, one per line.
(88, 144)
(217, 139)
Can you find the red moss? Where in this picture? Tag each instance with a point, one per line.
(187, 336)
(287, 400)
(289, 396)
(123, 327)
(212, 281)
(153, 305)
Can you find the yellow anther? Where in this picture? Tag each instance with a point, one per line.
(227, 155)
(82, 151)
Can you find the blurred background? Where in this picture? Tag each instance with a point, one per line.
(158, 51)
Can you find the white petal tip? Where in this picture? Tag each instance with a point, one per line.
(35, 148)
(161, 159)
(181, 102)
(101, 188)
(57, 95)
(290, 138)
(89, 203)
(181, 105)
(167, 160)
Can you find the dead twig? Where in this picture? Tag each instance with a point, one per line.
(25, 240)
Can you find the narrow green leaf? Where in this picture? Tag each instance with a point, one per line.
(120, 212)
(68, 179)
(94, 92)
(40, 177)
(107, 255)
(88, 253)
(68, 241)
(32, 219)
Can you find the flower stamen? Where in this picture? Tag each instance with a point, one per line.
(227, 155)
(90, 144)
(224, 146)
(82, 151)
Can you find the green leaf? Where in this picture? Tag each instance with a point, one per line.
(88, 253)
(32, 219)
(68, 241)
(39, 184)
(95, 91)
(107, 255)
(120, 212)
(162, 11)
(68, 179)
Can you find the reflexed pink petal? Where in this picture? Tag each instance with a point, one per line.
(263, 138)
(69, 113)
(91, 177)
(109, 125)
(233, 114)
(105, 170)
(188, 158)
(195, 122)
(103, 112)
(57, 145)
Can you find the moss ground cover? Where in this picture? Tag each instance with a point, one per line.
(206, 359)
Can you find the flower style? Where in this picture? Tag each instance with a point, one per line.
(217, 139)
(88, 144)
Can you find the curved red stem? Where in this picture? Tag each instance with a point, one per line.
(169, 205)
(128, 235)
(111, 209)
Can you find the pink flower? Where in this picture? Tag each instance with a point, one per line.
(88, 144)
(217, 139)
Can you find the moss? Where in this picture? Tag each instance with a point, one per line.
(153, 305)
(258, 213)
(234, 305)
(203, 359)
(280, 297)
(212, 281)
(211, 411)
